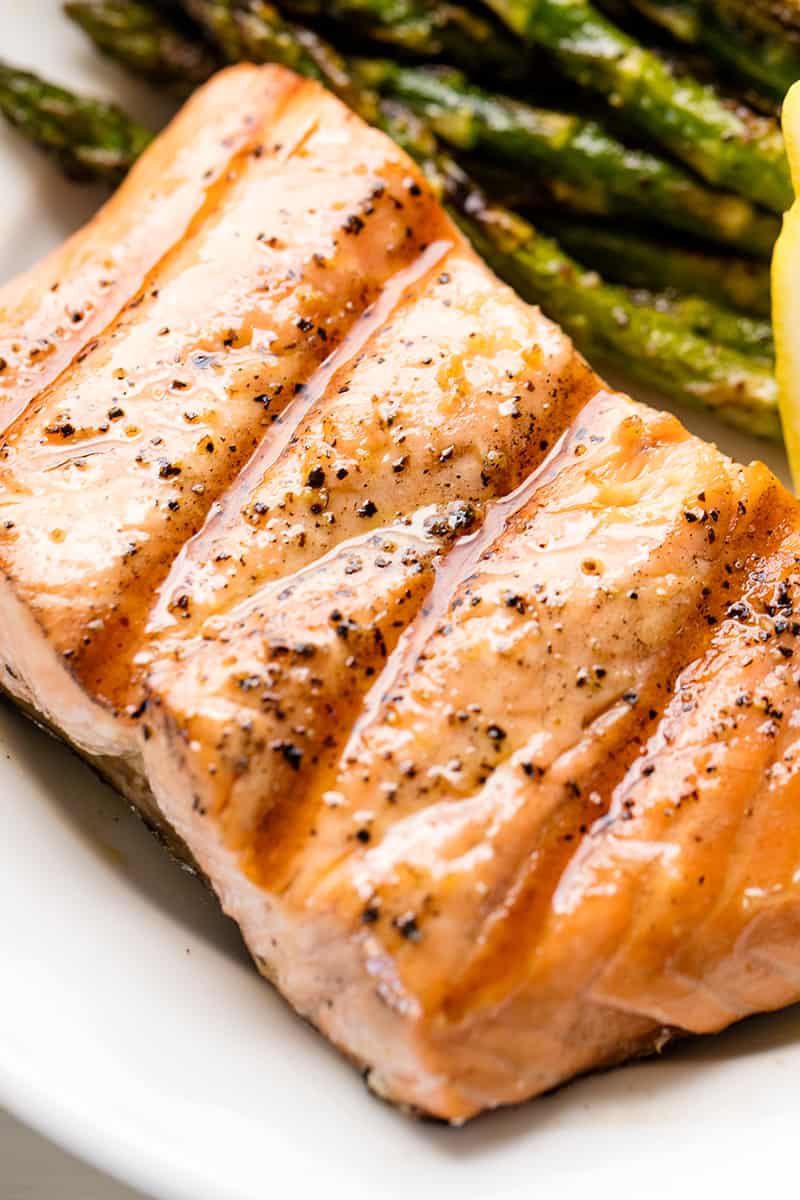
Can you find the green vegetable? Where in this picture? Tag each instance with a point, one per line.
(426, 28)
(727, 145)
(88, 138)
(141, 39)
(768, 61)
(749, 335)
(574, 154)
(640, 261)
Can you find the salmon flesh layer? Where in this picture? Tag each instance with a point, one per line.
(468, 684)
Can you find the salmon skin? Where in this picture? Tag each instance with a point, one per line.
(468, 684)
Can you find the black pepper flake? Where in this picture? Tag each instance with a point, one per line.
(249, 682)
(496, 733)
(630, 697)
(370, 915)
(115, 412)
(316, 477)
(66, 429)
(367, 509)
(353, 224)
(167, 470)
(293, 754)
(304, 325)
(363, 836)
(408, 927)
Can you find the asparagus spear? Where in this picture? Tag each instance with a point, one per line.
(139, 37)
(88, 138)
(768, 61)
(604, 172)
(655, 347)
(727, 146)
(427, 28)
(636, 260)
(236, 34)
(780, 17)
(749, 335)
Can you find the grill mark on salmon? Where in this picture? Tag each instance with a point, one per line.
(474, 695)
(450, 572)
(482, 750)
(329, 427)
(284, 432)
(188, 425)
(381, 440)
(52, 313)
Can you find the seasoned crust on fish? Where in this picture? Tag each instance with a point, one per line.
(467, 683)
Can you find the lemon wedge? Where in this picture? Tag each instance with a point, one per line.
(786, 295)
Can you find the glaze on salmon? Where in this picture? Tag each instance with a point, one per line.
(468, 684)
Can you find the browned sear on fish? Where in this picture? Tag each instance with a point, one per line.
(472, 687)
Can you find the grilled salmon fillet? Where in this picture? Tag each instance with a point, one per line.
(467, 683)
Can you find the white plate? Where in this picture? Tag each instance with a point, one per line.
(134, 1031)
